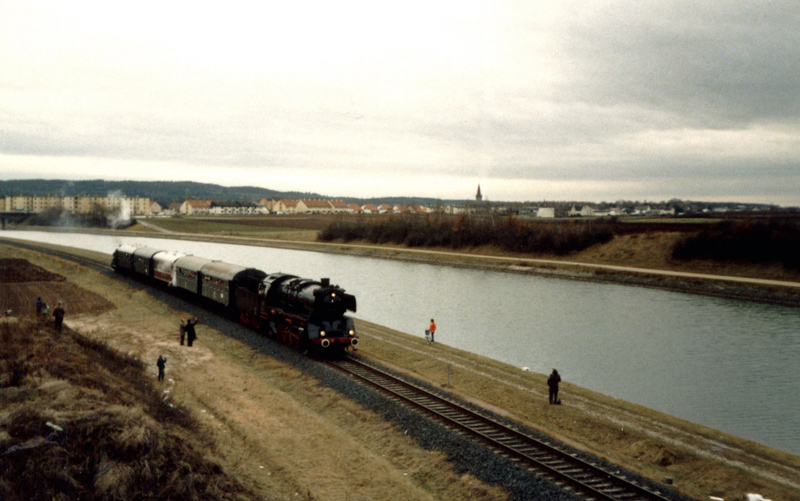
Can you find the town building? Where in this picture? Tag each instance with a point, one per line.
(135, 206)
(195, 207)
(314, 207)
(285, 206)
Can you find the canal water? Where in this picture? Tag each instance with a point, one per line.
(727, 364)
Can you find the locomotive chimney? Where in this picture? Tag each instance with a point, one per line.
(326, 282)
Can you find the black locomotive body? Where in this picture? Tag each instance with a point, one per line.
(299, 312)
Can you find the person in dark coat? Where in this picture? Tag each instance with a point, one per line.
(59, 313)
(552, 382)
(190, 332)
(162, 362)
(183, 332)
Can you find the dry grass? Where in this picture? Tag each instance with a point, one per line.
(80, 420)
(654, 250)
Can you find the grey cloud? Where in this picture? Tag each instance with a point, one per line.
(715, 64)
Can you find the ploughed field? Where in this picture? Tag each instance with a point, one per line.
(22, 282)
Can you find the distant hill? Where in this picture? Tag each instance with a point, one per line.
(163, 192)
(166, 192)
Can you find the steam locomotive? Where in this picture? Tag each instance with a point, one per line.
(299, 312)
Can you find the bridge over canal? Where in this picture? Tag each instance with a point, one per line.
(13, 217)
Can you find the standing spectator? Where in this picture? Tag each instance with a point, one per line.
(59, 313)
(552, 382)
(41, 311)
(162, 362)
(190, 332)
(183, 331)
(432, 329)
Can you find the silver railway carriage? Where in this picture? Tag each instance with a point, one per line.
(220, 281)
(187, 273)
(143, 260)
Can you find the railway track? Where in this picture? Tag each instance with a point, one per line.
(66, 255)
(563, 467)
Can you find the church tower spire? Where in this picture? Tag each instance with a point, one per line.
(478, 196)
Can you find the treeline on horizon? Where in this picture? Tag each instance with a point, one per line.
(508, 233)
(768, 241)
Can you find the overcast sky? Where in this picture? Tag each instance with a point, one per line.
(556, 100)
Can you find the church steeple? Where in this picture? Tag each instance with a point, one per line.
(478, 196)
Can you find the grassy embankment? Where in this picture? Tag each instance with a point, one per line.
(287, 227)
(81, 420)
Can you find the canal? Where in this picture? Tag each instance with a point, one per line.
(727, 364)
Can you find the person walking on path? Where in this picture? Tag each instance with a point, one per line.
(162, 362)
(183, 331)
(432, 329)
(552, 382)
(39, 306)
(190, 332)
(59, 313)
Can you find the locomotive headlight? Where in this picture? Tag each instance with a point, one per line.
(322, 333)
(352, 332)
(333, 294)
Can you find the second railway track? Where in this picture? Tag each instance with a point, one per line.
(562, 466)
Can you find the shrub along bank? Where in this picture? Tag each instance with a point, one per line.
(755, 242)
(509, 233)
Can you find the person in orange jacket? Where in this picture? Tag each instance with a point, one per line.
(432, 329)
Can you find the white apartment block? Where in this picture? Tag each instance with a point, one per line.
(135, 206)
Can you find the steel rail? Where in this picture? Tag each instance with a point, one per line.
(562, 466)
